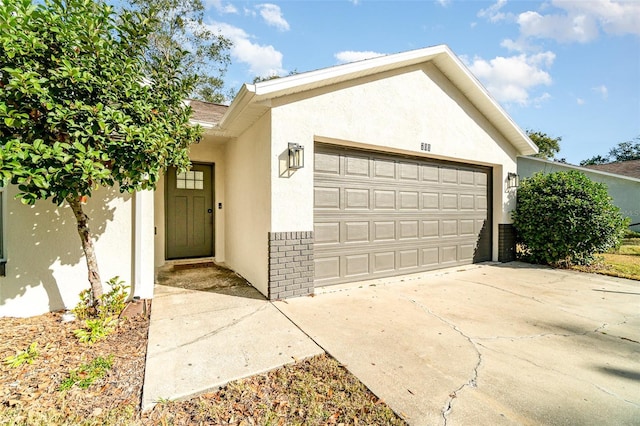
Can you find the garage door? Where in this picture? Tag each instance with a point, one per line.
(378, 215)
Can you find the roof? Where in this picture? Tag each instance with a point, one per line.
(206, 114)
(589, 169)
(629, 168)
(253, 100)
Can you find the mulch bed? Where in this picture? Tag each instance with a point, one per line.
(317, 391)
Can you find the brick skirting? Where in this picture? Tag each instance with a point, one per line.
(506, 242)
(291, 267)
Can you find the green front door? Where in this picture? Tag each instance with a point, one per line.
(189, 212)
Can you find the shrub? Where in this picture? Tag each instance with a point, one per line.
(565, 218)
(112, 302)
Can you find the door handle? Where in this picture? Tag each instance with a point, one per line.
(209, 210)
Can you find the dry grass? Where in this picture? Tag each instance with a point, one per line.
(317, 391)
(624, 263)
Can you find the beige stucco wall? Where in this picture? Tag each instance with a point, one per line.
(248, 202)
(46, 268)
(394, 112)
(208, 151)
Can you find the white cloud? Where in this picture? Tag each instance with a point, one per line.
(263, 60)
(353, 56)
(272, 15)
(444, 3)
(220, 7)
(493, 12)
(512, 79)
(580, 101)
(581, 21)
(602, 91)
(563, 28)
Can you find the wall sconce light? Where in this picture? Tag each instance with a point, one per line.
(513, 180)
(296, 156)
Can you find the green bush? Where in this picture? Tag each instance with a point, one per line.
(565, 218)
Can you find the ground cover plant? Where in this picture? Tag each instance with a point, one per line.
(564, 219)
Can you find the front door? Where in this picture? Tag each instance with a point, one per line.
(189, 212)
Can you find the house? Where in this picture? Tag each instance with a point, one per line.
(622, 180)
(384, 167)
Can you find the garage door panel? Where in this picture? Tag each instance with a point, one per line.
(430, 200)
(449, 201)
(380, 215)
(356, 198)
(356, 232)
(326, 233)
(408, 259)
(384, 169)
(430, 257)
(384, 200)
(356, 166)
(356, 264)
(430, 228)
(384, 261)
(326, 198)
(409, 200)
(384, 231)
(327, 268)
(326, 163)
(408, 229)
(449, 254)
(409, 171)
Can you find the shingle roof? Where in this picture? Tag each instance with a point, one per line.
(629, 168)
(207, 112)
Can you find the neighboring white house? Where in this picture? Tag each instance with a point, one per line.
(405, 160)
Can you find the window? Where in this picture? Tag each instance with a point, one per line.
(190, 180)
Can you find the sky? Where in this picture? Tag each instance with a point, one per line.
(570, 69)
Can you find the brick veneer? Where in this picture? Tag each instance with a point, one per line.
(506, 242)
(290, 264)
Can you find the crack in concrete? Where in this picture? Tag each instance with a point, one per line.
(473, 381)
(216, 331)
(505, 290)
(616, 396)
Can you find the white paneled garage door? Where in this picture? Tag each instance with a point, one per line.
(378, 215)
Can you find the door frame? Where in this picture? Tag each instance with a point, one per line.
(213, 207)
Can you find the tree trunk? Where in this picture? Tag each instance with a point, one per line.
(87, 246)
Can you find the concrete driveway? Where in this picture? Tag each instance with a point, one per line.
(488, 345)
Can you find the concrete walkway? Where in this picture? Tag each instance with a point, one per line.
(201, 340)
(485, 344)
(489, 345)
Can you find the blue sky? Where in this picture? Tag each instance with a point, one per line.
(567, 68)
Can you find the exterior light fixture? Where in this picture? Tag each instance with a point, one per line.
(513, 180)
(296, 156)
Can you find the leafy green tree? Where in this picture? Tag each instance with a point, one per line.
(565, 218)
(597, 159)
(548, 146)
(80, 110)
(179, 32)
(624, 151)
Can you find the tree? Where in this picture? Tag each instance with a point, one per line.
(624, 151)
(179, 31)
(565, 218)
(548, 146)
(597, 159)
(80, 110)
